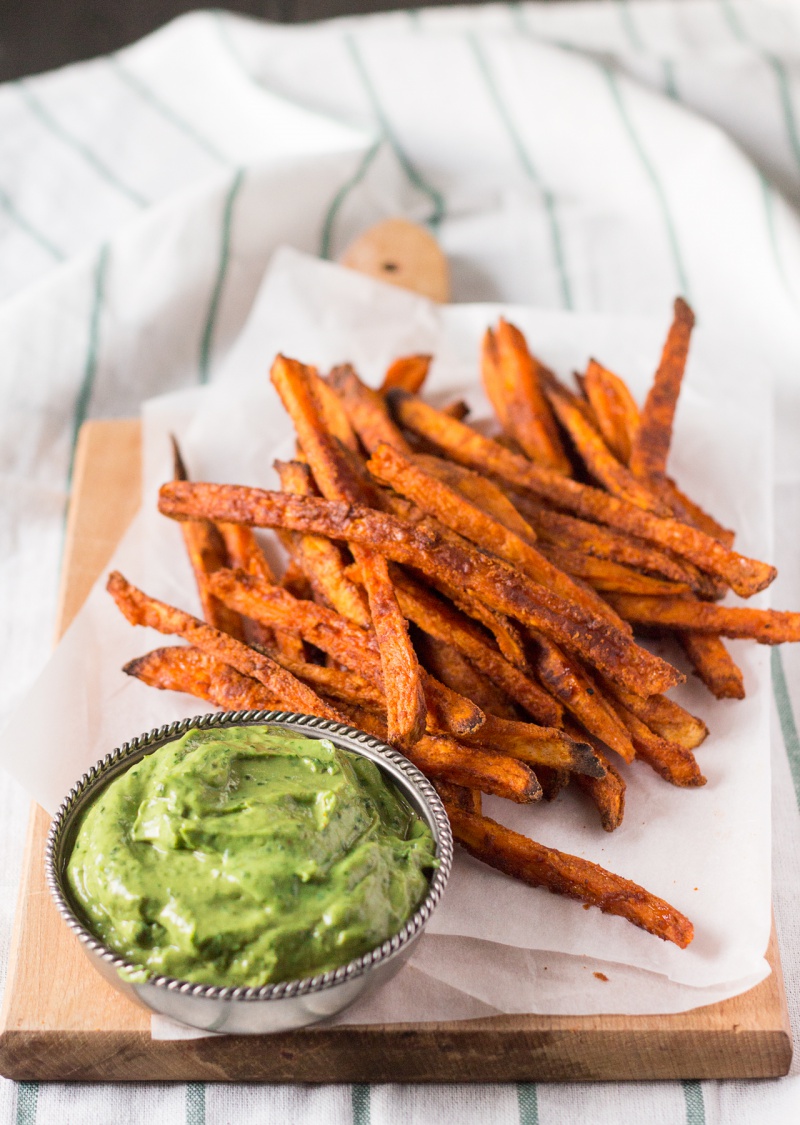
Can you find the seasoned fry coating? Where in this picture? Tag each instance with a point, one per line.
(602, 574)
(452, 509)
(465, 445)
(713, 664)
(607, 793)
(502, 588)
(652, 441)
(767, 626)
(572, 687)
(614, 408)
(664, 716)
(563, 874)
(187, 669)
(405, 700)
(467, 799)
(322, 561)
(598, 458)
(444, 661)
(511, 377)
(143, 610)
(444, 758)
(366, 410)
(673, 762)
(480, 491)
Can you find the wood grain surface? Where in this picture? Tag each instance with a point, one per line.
(62, 1021)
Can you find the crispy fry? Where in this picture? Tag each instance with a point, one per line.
(444, 758)
(480, 491)
(572, 687)
(331, 411)
(350, 645)
(467, 799)
(673, 762)
(187, 669)
(664, 716)
(444, 661)
(405, 700)
(602, 574)
(408, 373)
(244, 552)
(713, 664)
(607, 793)
(553, 782)
(598, 458)
(598, 642)
(614, 408)
(433, 616)
(322, 561)
(651, 443)
(767, 626)
(512, 381)
(452, 509)
(140, 609)
(456, 409)
(538, 746)
(744, 576)
(690, 512)
(603, 542)
(540, 866)
(366, 410)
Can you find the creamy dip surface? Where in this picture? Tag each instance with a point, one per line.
(249, 855)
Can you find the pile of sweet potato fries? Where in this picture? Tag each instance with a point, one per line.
(471, 599)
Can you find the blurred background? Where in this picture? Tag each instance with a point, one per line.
(37, 35)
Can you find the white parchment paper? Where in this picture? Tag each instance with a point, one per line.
(494, 945)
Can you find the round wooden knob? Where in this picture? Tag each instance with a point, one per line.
(404, 254)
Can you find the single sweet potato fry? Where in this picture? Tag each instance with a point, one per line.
(652, 440)
(447, 760)
(564, 874)
(767, 626)
(336, 480)
(598, 458)
(511, 375)
(614, 408)
(673, 762)
(610, 650)
(140, 609)
(664, 716)
(713, 664)
(408, 373)
(605, 575)
(366, 410)
(571, 685)
(465, 445)
(538, 746)
(606, 793)
(187, 669)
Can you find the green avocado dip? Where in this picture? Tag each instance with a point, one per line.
(248, 855)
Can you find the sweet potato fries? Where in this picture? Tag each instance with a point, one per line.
(474, 599)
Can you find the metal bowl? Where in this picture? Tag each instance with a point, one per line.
(275, 1007)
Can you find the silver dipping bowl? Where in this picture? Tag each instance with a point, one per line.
(275, 1007)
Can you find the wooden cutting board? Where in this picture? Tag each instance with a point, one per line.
(62, 1021)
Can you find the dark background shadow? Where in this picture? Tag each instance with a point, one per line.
(38, 35)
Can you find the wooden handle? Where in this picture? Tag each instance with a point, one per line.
(403, 254)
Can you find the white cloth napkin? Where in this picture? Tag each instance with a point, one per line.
(594, 156)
